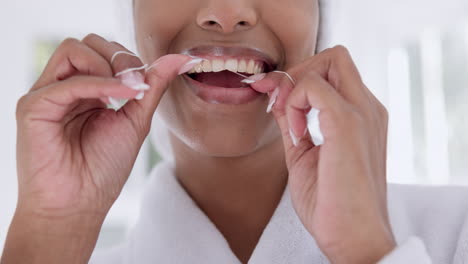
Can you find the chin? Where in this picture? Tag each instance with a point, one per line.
(217, 130)
(218, 141)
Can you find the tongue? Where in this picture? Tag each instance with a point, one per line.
(224, 79)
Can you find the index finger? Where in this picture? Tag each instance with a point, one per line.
(160, 74)
(336, 66)
(126, 66)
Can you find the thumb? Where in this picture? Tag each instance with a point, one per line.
(158, 76)
(292, 152)
(282, 122)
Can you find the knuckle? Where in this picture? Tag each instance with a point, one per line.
(21, 106)
(340, 50)
(90, 37)
(327, 50)
(312, 76)
(383, 111)
(347, 120)
(128, 62)
(115, 43)
(69, 43)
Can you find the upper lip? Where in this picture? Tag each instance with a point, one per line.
(232, 52)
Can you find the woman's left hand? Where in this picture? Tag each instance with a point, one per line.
(339, 188)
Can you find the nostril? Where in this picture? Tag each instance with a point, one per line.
(214, 24)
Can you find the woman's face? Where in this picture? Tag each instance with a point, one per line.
(212, 120)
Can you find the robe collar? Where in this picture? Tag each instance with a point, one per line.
(173, 229)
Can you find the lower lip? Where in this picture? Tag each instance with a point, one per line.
(221, 95)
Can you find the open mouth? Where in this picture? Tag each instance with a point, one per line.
(217, 79)
(227, 73)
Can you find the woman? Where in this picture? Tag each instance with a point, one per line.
(243, 185)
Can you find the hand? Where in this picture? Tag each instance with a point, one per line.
(339, 188)
(73, 153)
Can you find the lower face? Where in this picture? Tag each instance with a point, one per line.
(209, 112)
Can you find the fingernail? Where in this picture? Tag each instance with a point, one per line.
(254, 78)
(116, 103)
(313, 123)
(273, 98)
(134, 80)
(294, 139)
(189, 65)
(140, 96)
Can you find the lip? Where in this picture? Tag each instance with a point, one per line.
(220, 95)
(227, 52)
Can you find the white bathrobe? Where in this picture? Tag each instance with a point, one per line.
(429, 223)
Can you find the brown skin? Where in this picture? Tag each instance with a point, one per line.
(338, 189)
(223, 170)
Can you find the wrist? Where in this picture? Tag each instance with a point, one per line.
(35, 238)
(368, 251)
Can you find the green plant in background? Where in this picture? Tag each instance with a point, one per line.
(153, 157)
(43, 50)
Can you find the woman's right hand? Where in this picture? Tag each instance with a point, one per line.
(74, 154)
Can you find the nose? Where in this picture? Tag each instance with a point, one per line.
(227, 16)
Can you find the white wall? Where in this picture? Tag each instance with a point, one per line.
(374, 29)
(363, 25)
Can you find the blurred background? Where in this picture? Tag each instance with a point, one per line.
(412, 54)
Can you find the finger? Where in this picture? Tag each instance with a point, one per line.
(72, 57)
(55, 101)
(312, 91)
(337, 67)
(264, 82)
(277, 85)
(133, 74)
(125, 65)
(160, 74)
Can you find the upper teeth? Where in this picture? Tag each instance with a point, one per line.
(234, 65)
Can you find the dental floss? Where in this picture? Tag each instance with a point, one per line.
(117, 103)
(313, 122)
(189, 65)
(242, 75)
(131, 70)
(289, 77)
(122, 52)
